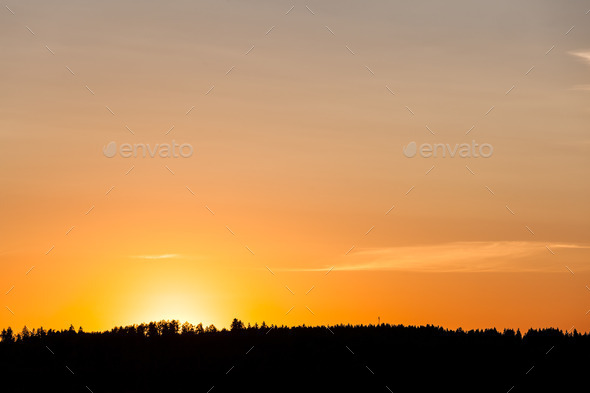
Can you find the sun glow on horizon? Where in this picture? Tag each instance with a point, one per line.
(160, 305)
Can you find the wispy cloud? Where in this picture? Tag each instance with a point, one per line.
(161, 256)
(502, 256)
(584, 55)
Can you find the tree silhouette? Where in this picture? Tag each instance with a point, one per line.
(187, 329)
(153, 330)
(237, 325)
(25, 333)
(165, 355)
(169, 328)
(199, 329)
(7, 335)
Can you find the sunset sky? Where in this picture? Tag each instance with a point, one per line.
(298, 204)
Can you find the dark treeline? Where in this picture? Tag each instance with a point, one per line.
(167, 355)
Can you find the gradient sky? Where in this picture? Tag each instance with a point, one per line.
(298, 153)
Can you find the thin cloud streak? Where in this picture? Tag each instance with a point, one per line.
(162, 256)
(584, 55)
(502, 256)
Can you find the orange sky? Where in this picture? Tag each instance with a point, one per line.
(297, 158)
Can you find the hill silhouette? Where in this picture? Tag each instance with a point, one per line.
(165, 356)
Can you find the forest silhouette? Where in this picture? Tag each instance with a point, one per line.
(167, 355)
